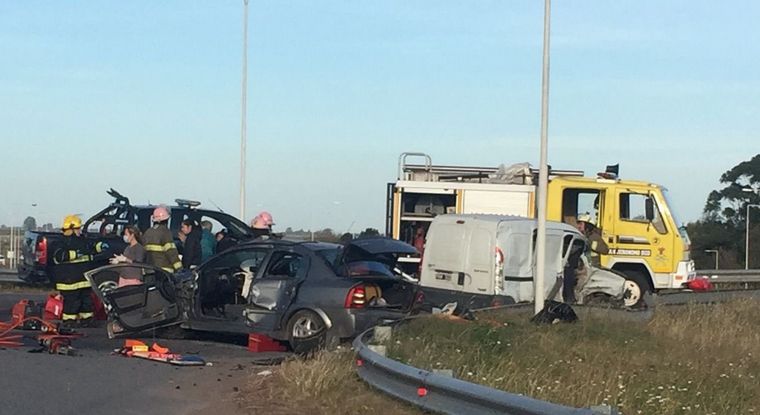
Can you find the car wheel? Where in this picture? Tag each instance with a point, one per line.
(636, 287)
(306, 332)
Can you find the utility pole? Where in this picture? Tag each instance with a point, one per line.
(746, 242)
(243, 124)
(543, 171)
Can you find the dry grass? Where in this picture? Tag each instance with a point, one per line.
(701, 359)
(325, 384)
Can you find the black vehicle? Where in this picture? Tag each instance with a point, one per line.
(108, 226)
(306, 293)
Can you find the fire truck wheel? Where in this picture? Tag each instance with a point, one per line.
(636, 286)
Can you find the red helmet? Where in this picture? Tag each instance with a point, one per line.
(160, 214)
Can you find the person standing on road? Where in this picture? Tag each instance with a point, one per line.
(134, 253)
(72, 260)
(223, 241)
(208, 243)
(160, 250)
(190, 236)
(596, 243)
(262, 225)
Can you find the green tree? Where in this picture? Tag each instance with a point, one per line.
(723, 223)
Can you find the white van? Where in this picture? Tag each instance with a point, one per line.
(485, 260)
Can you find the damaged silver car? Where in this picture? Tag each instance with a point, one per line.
(306, 293)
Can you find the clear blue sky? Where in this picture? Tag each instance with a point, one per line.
(144, 96)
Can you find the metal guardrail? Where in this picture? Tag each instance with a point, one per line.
(731, 276)
(447, 395)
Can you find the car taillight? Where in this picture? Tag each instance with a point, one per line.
(41, 251)
(356, 298)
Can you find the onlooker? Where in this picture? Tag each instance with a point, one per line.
(208, 243)
(134, 253)
(190, 236)
(223, 241)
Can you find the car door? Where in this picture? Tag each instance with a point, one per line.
(274, 290)
(152, 303)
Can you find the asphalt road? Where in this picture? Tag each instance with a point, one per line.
(97, 381)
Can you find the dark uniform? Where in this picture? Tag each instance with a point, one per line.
(160, 250)
(72, 260)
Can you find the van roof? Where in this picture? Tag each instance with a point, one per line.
(519, 221)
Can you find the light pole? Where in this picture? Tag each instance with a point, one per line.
(746, 242)
(713, 251)
(543, 170)
(244, 101)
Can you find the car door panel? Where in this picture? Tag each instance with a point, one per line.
(138, 307)
(273, 292)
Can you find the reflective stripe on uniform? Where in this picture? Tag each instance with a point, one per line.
(72, 286)
(159, 248)
(177, 265)
(167, 269)
(68, 317)
(86, 315)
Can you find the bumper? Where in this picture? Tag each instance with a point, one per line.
(685, 272)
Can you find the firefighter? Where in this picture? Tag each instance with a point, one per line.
(158, 242)
(262, 225)
(597, 246)
(72, 260)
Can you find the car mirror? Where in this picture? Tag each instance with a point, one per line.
(649, 209)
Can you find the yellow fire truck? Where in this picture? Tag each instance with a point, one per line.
(645, 240)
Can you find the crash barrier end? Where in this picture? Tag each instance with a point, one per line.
(444, 394)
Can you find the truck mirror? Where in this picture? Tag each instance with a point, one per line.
(649, 209)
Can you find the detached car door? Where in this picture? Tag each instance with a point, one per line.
(273, 291)
(152, 303)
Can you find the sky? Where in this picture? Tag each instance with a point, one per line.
(145, 97)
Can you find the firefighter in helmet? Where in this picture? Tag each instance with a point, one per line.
(262, 225)
(160, 250)
(72, 259)
(596, 244)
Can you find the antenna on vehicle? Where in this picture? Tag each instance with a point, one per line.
(217, 206)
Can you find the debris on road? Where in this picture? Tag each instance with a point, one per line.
(157, 353)
(27, 315)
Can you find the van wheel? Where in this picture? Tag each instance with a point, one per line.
(636, 288)
(306, 332)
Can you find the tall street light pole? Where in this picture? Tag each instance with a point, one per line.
(543, 171)
(746, 242)
(243, 125)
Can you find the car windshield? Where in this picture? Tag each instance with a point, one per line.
(330, 255)
(679, 225)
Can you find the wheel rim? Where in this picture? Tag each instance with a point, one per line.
(106, 286)
(305, 327)
(634, 293)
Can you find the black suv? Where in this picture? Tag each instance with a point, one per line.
(108, 226)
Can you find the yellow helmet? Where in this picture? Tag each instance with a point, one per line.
(70, 223)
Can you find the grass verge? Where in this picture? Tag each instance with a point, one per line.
(324, 384)
(693, 359)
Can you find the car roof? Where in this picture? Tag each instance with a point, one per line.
(313, 245)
